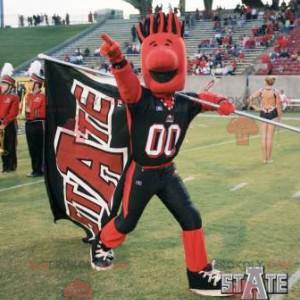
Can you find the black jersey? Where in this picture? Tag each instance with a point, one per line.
(157, 132)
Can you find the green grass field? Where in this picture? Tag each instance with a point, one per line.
(258, 224)
(21, 44)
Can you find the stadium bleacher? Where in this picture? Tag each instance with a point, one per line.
(120, 30)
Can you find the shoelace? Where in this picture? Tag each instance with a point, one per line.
(100, 253)
(213, 275)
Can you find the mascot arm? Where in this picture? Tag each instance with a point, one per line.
(128, 83)
(225, 108)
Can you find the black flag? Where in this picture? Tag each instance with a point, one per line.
(86, 145)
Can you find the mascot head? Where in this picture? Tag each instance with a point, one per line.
(163, 54)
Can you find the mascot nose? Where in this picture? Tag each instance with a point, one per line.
(162, 59)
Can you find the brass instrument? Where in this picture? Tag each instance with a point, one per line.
(2, 150)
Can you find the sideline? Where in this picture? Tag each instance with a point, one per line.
(20, 186)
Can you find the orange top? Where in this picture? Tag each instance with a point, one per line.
(269, 98)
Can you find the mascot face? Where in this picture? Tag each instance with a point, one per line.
(163, 53)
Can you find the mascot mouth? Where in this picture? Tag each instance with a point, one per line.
(163, 77)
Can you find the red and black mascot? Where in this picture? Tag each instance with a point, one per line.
(158, 121)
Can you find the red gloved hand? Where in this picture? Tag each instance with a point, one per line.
(226, 108)
(111, 49)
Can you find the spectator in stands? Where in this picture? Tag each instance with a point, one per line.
(187, 32)
(46, 19)
(76, 59)
(132, 49)
(254, 13)
(283, 6)
(234, 50)
(95, 15)
(133, 33)
(97, 52)
(105, 67)
(294, 55)
(218, 38)
(242, 21)
(67, 58)
(197, 14)
(217, 61)
(21, 21)
(284, 54)
(30, 21)
(67, 19)
(77, 52)
(188, 20)
(248, 12)
(90, 17)
(86, 52)
(237, 9)
(56, 20)
(217, 25)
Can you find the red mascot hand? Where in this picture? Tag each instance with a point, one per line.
(226, 108)
(111, 49)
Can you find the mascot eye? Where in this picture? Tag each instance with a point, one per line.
(168, 42)
(153, 44)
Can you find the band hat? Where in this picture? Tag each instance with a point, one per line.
(7, 73)
(35, 72)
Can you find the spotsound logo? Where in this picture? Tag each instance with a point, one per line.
(254, 284)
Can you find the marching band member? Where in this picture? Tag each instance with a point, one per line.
(269, 108)
(9, 109)
(35, 117)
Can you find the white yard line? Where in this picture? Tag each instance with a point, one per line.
(292, 280)
(20, 186)
(190, 178)
(296, 195)
(223, 143)
(239, 186)
(209, 146)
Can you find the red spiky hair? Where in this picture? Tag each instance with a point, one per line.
(160, 23)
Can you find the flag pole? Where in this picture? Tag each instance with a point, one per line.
(237, 112)
(241, 113)
(68, 64)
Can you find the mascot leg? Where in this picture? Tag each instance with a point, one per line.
(194, 249)
(134, 200)
(202, 277)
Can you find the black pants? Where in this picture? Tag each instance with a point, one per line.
(35, 140)
(9, 158)
(140, 185)
(269, 115)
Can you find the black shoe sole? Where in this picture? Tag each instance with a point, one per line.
(209, 293)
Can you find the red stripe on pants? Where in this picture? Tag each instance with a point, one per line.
(110, 236)
(194, 248)
(127, 188)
